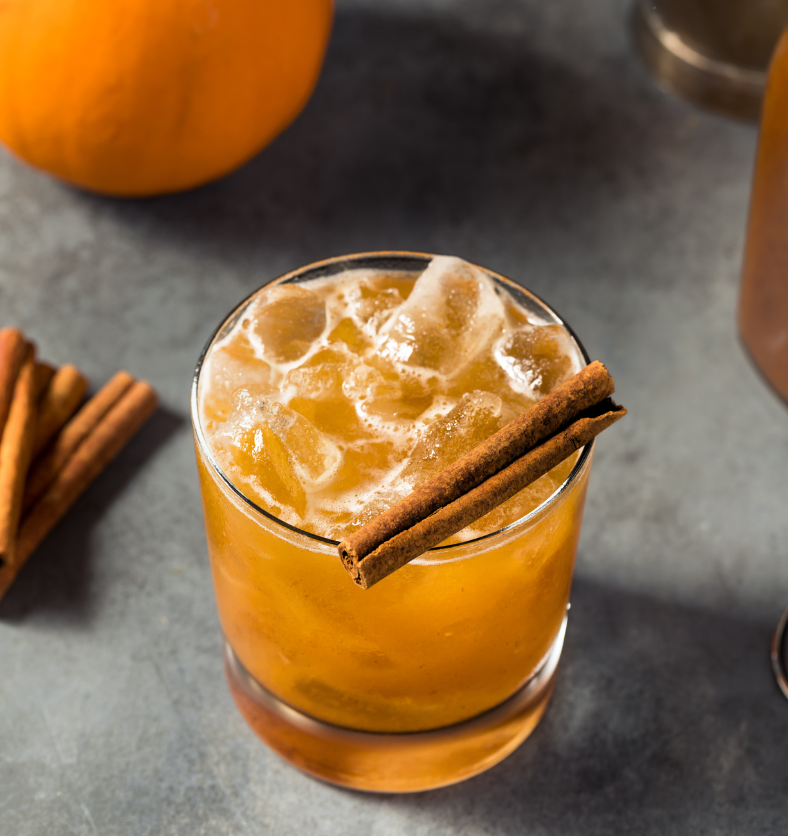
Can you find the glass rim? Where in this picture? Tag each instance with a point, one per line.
(345, 262)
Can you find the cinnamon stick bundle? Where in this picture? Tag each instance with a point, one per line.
(47, 466)
(525, 449)
(37, 406)
(90, 441)
(110, 435)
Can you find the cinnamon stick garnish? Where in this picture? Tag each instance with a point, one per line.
(525, 449)
(46, 468)
(12, 353)
(16, 450)
(60, 401)
(97, 450)
(432, 531)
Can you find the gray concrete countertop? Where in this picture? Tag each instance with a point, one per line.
(524, 136)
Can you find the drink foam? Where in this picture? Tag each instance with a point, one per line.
(328, 401)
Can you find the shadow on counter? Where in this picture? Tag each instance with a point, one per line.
(58, 574)
(665, 720)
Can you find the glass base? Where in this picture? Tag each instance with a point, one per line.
(406, 762)
(683, 70)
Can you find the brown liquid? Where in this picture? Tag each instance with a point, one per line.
(763, 305)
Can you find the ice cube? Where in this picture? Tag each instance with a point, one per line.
(274, 445)
(452, 313)
(316, 383)
(536, 359)
(311, 456)
(370, 304)
(348, 332)
(484, 373)
(375, 505)
(476, 417)
(287, 319)
(365, 383)
(315, 389)
(230, 366)
(387, 397)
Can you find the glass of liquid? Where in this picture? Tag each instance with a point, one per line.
(322, 399)
(763, 301)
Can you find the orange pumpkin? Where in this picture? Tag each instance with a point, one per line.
(143, 97)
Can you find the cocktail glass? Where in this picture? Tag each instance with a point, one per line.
(433, 675)
(763, 300)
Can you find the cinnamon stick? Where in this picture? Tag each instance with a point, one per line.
(97, 450)
(44, 373)
(62, 397)
(16, 449)
(47, 466)
(434, 529)
(12, 354)
(553, 413)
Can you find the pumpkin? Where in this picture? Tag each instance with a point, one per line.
(144, 97)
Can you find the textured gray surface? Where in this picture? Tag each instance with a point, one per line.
(524, 136)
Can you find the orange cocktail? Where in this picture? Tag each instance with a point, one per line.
(323, 399)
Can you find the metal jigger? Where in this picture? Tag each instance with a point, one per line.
(714, 53)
